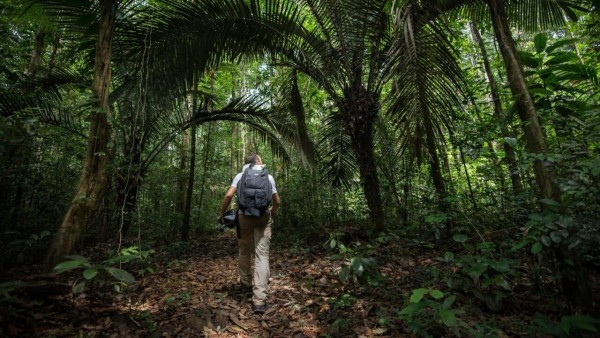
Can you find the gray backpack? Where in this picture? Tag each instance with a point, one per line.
(254, 191)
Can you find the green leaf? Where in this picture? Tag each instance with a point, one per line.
(511, 141)
(68, 265)
(121, 275)
(448, 256)
(437, 294)
(79, 287)
(556, 236)
(493, 302)
(357, 265)
(448, 317)
(519, 246)
(550, 202)
(540, 42)
(536, 248)
(332, 244)
(418, 294)
(585, 322)
(460, 238)
(541, 91)
(529, 60)
(409, 310)
(449, 301)
(500, 266)
(344, 273)
(477, 269)
(545, 240)
(559, 44)
(500, 281)
(90, 273)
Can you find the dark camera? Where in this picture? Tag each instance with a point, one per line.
(229, 220)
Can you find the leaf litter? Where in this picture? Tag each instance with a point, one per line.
(195, 293)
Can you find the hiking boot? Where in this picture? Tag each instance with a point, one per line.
(259, 309)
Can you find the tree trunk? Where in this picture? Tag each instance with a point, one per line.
(181, 181)
(127, 183)
(185, 226)
(36, 54)
(93, 178)
(467, 176)
(205, 159)
(499, 114)
(359, 117)
(574, 279)
(52, 61)
(435, 165)
(536, 143)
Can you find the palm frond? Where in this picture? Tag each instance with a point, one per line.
(247, 110)
(339, 161)
(291, 100)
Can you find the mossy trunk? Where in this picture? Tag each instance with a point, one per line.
(93, 179)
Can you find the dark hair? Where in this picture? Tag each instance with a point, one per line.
(251, 159)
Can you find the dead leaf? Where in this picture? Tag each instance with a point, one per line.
(195, 322)
(237, 322)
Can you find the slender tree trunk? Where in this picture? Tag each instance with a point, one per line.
(574, 278)
(93, 178)
(406, 190)
(464, 163)
(185, 226)
(391, 177)
(127, 184)
(181, 181)
(206, 159)
(435, 165)
(499, 114)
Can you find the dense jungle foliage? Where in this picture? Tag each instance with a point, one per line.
(438, 163)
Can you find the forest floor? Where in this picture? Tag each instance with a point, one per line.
(193, 292)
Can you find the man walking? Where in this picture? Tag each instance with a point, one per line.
(255, 221)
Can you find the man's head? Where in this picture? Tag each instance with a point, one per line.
(253, 159)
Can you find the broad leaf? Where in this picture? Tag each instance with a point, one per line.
(418, 294)
(90, 273)
(460, 238)
(344, 273)
(536, 248)
(540, 41)
(79, 287)
(437, 294)
(68, 265)
(121, 275)
(448, 317)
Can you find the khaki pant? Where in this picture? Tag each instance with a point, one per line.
(255, 236)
